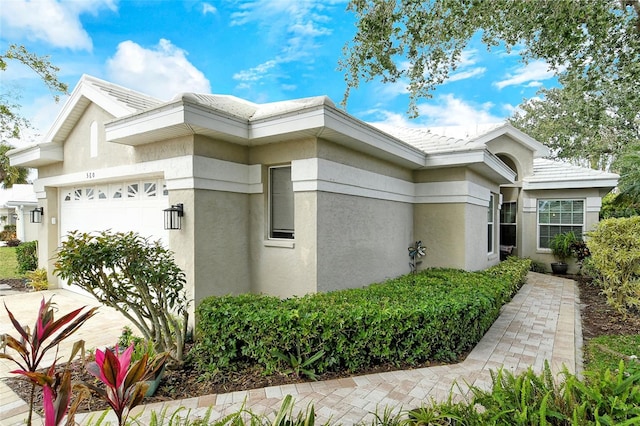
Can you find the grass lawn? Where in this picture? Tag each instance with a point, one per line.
(8, 263)
(606, 351)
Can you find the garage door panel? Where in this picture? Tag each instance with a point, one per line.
(108, 207)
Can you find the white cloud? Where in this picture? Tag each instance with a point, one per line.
(531, 72)
(255, 73)
(463, 75)
(162, 71)
(291, 25)
(468, 58)
(54, 22)
(446, 115)
(448, 110)
(208, 8)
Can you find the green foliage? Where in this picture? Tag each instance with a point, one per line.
(27, 256)
(437, 314)
(592, 40)
(38, 279)
(603, 398)
(561, 245)
(9, 263)
(605, 352)
(136, 276)
(140, 345)
(615, 255)
(10, 175)
(299, 367)
(619, 205)
(11, 122)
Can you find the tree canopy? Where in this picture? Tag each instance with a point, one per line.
(11, 121)
(592, 40)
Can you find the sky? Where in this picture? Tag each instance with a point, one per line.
(258, 50)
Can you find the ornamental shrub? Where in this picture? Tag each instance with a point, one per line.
(437, 314)
(134, 275)
(615, 255)
(27, 256)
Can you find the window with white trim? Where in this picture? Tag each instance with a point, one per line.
(559, 216)
(491, 219)
(281, 207)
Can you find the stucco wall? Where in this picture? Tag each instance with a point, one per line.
(221, 253)
(361, 240)
(77, 147)
(284, 268)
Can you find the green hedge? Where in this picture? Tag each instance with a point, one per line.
(27, 256)
(435, 315)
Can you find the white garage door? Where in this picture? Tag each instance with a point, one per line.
(121, 207)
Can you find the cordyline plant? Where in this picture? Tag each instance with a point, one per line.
(124, 381)
(31, 348)
(134, 275)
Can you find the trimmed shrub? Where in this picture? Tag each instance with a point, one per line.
(437, 315)
(615, 255)
(27, 256)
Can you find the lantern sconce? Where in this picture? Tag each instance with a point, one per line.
(36, 215)
(173, 216)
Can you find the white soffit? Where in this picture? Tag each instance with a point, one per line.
(36, 155)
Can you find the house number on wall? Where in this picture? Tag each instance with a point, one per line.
(91, 175)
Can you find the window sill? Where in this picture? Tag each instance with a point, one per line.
(280, 243)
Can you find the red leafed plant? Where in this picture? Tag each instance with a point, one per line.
(124, 381)
(31, 348)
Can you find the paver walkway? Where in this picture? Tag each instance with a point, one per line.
(542, 322)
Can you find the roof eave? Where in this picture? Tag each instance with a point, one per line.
(606, 183)
(479, 160)
(36, 155)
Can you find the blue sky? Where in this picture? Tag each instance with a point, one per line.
(260, 50)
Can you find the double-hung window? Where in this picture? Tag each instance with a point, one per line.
(281, 211)
(559, 216)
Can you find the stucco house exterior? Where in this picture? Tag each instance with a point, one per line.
(297, 196)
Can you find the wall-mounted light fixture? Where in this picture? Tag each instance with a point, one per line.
(173, 216)
(36, 215)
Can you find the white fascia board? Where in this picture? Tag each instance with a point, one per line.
(455, 158)
(345, 124)
(87, 90)
(306, 120)
(569, 184)
(198, 116)
(499, 167)
(316, 120)
(120, 129)
(174, 114)
(36, 155)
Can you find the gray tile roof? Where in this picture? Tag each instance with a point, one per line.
(545, 170)
(133, 100)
